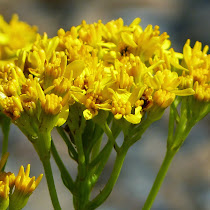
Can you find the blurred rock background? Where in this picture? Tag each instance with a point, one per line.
(187, 185)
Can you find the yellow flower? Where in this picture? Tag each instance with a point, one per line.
(202, 92)
(15, 190)
(133, 39)
(24, 183)
(167, 80)
(23, 188)
(4, 194)
(4, 189)
(127, 105)
(197, 61)
(74, 47)
(12, 106)
(52, 104)
(15, 35)
(163, 98)
(40, 54)
(122, 80)
(11, 78)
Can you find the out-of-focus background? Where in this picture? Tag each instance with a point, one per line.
(187, 185)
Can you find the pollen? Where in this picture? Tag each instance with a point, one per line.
(163, 98)
(202, 92)
(61, 85)
(4, 188)
(52, 104)
(123, 80)
(200, 75)
(186, 81)
(120, 107)
(8, 175)
(93, 100)
(12, 106)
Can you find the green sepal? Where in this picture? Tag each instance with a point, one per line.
(18, 200)
(4, 203)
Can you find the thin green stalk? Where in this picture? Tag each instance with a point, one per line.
(50, 182)
(67, 180)
(42, 144)
(102, 153)
(110, 136)
(99, 199)
(96, 171)
(81, 154)
(96, 148)
(82, 188)
(159, 179)
(137, 132)
(5, 129)
(171, 126)
(72, 151)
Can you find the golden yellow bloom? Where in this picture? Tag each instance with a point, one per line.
(4, 189)
(163, 98)
(8, 175)
(15, 35)
(23, 188)
(166, 80)
(12, 106)
(24, 183)
(197, 61)
(88, 63)
(127, 105)
(202, 92)
(4, 194)
(52, 104)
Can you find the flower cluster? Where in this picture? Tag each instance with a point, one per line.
(197, 61)
(97, 78)
(113, 67)
(14, 36)
(15, 190)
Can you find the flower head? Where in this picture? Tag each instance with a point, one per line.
(4, 194)
(23, 188)
(111, 67)
(15, 35)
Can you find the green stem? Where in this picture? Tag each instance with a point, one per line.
(67, 180)
(5, 129)
(50, 182)
(110, 136)
(42, 144)
(136, 133)
(101, 161)
(99, 199)
(81, 154)
(159, 179)
(96, 148)
(82, 188)
(171, 126)
(72, 152)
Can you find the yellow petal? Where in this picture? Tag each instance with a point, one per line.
(118, 116)
(178, 66)
(135, 22)
(134, 119)
(63, 115)
(185, 92)
(136, 94)
(89, 114)
(128, 39)
(76, 66)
